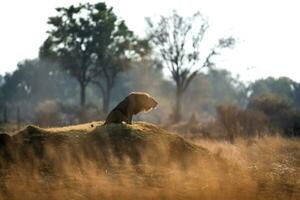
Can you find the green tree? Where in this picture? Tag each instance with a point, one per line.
(280, 112)
(92, 44)
(282, 86)
(116, 57)
(178, 41)
(296, 87)
(35, 81)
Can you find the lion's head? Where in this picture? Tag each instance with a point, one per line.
(141, 102)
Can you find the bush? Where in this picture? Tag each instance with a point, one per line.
(48, 113)
(53, 113)
(281, 115)
(240, 122)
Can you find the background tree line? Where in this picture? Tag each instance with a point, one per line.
(91, 60)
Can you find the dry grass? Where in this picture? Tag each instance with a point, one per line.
(262, 168)
(271, 162)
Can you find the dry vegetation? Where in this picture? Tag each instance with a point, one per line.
(143, 161)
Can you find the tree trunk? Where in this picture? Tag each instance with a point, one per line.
(18, 118)
(106, 100)
(5, 118)
(231, 138)
(177, 112)
(82, 94)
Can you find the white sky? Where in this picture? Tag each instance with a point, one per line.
(268, 31)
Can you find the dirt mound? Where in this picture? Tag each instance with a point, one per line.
(138, 143)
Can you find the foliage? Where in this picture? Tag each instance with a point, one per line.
(32, 82)
(54, 113)
(90, 42)
(265, 114)
(239, 122)
(281, 114)
(283, 87)
(48, 113)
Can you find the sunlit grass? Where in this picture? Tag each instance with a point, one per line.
(258, 168)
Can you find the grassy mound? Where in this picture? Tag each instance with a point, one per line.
(138, 143)
(143, 161)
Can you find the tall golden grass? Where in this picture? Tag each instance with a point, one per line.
(260, 168)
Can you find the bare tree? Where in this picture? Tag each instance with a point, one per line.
(177, 40)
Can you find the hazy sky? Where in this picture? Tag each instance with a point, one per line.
(268, 31)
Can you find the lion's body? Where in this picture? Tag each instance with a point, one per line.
(133, 104)
(119, 114)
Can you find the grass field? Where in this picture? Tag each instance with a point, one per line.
(143, 161)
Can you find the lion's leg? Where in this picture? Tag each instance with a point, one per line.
(129, 119)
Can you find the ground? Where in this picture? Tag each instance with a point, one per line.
(144, 161)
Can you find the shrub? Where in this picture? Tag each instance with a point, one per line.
(48, 113)
(281, 115)
(53, 113)
(241, 122)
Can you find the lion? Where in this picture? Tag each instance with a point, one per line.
(5, 139)
(133, 104)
